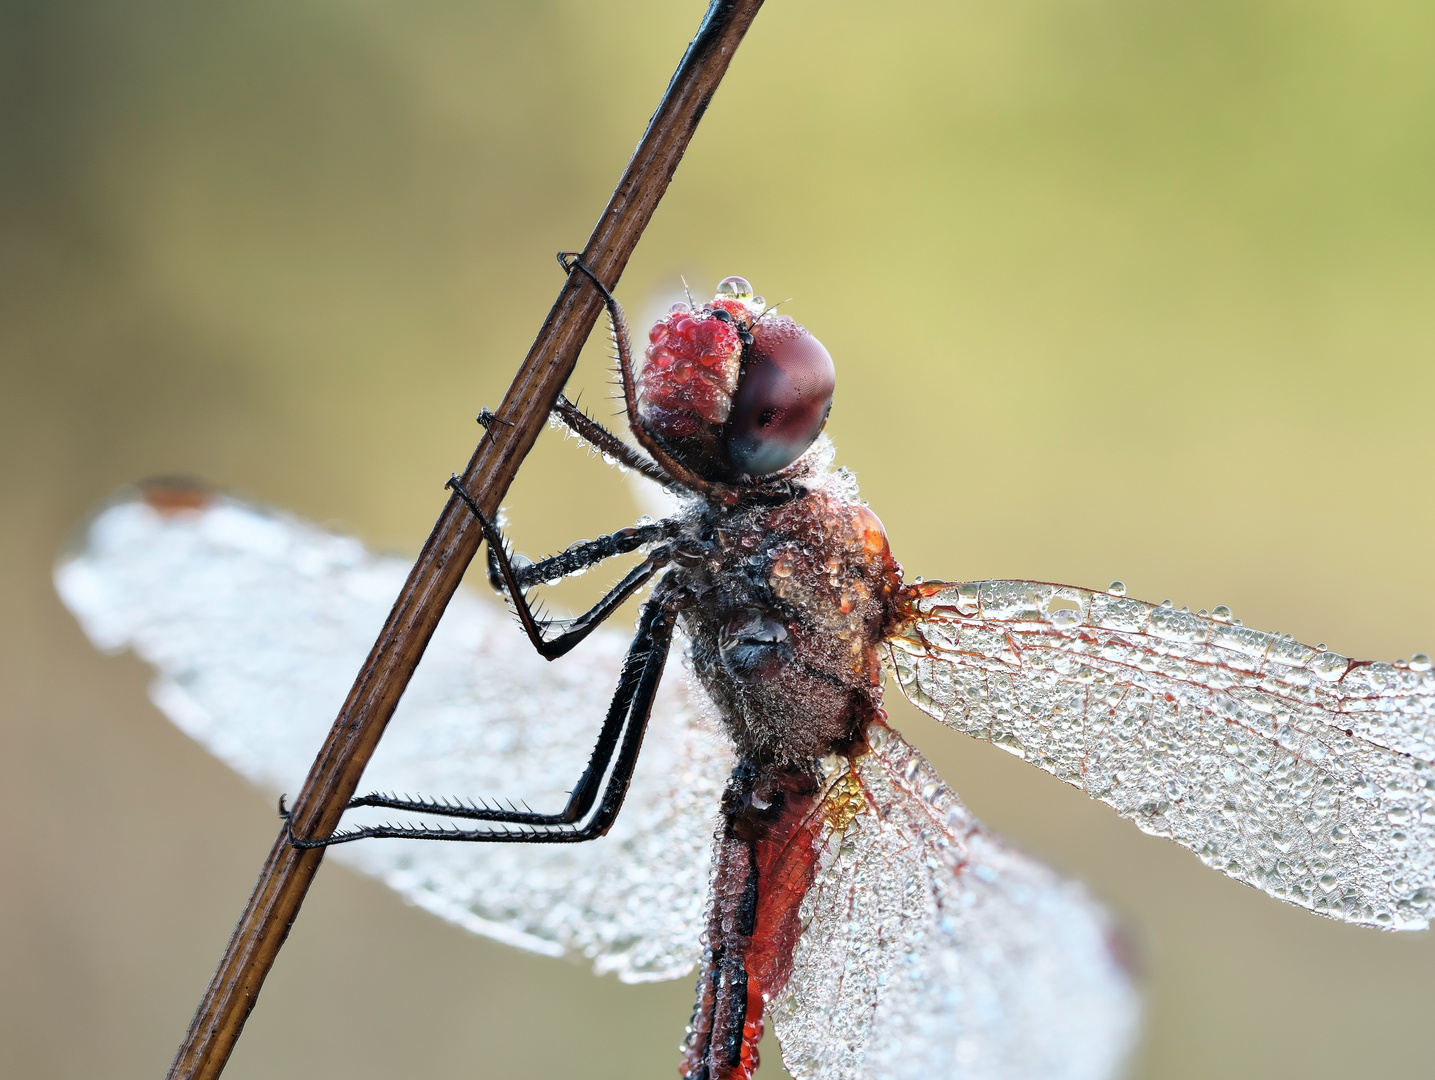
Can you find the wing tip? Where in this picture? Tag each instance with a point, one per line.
(170, 495)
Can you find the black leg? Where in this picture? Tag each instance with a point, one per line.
(680, 473)
(595, 434)
(622, 731)
(581, 556)
(576, 629)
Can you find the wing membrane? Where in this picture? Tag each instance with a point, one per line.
(931, 948)
(256, 623)
(1296, 770)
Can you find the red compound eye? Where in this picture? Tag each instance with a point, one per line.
(782, 400)
(690, 373)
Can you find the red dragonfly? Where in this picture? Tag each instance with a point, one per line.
(848, 896)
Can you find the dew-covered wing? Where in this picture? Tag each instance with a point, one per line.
(930, 948)
(257, 623)
(1296, 770)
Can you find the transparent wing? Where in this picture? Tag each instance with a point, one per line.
(932, 949)
(257, 623)
(1298, 771)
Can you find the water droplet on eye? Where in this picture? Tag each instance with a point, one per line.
(1221, 613)
(1117, 588)
(734, 288)
(759, 301)
(1420, 662)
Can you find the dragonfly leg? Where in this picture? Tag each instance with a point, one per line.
(582, 555)
(618, 744)
(575, 629)
(596, 435)
(678, 472)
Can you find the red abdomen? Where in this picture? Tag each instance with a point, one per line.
(764, 865)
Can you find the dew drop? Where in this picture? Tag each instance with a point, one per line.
(1221, 613)
(680, 308)
(1420, 662)
(734, 288)
(1117, 588)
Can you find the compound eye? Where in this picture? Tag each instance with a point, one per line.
(782, 400)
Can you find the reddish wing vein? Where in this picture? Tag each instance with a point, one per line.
(256, 622)
(1298, 771)
(930, 948)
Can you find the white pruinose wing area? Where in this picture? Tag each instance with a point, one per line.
(931, 948)
(257, 623)
(1290, 768)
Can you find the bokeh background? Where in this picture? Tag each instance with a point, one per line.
(1117, 288)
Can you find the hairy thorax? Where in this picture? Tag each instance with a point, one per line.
(789, 607)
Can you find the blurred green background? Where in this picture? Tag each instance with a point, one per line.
(1115, 289)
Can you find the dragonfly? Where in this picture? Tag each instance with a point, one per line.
(775, 832)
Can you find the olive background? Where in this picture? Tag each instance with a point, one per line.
(1115, 289)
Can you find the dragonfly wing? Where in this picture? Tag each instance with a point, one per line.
(256, 623)
(1296, 770)
(931, 948)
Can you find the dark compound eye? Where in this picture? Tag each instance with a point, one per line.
(723, 315)
(782, 400)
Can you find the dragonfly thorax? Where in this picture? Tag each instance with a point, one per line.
(790, 607)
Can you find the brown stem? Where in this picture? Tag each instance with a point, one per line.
(454, 541)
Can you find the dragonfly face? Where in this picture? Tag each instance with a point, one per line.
(732, 389)
(851, 898)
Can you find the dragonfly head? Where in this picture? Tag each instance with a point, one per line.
(733, 389)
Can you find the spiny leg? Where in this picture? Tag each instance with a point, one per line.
(722, 493)
(595, 434)
(581, 556)
(622, 732)
(583, 625)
